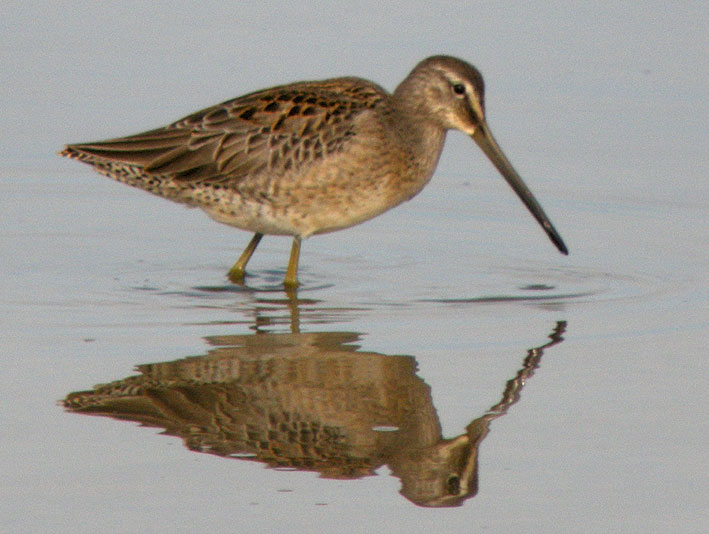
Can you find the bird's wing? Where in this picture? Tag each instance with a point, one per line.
(273, 131)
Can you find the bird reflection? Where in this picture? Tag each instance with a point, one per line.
(310, 401)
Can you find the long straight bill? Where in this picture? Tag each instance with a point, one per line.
(492, 150)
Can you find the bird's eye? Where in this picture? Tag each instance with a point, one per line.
(459, 89)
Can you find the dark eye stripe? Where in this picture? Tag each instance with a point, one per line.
(471, 112)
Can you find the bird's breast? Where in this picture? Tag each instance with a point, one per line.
(374, 172)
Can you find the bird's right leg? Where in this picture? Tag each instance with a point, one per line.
(291, 280)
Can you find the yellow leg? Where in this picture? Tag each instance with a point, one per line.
(236, 273)
(291, 280)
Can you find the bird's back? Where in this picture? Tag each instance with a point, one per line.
(276, 131)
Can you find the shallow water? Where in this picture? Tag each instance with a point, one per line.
(365, 393)
(442, 366)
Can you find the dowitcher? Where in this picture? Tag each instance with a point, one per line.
(310, 157)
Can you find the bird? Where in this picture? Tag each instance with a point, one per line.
(310, 157)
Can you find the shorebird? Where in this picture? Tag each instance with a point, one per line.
(310, 157)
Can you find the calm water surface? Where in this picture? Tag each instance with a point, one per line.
(411, 370)
(442, 367)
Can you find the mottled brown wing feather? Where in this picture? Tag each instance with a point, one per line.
(272, 130)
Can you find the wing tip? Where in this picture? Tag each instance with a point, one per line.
(72, 152)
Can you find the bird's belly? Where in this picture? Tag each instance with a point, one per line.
(303, 213)
(342, 192)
